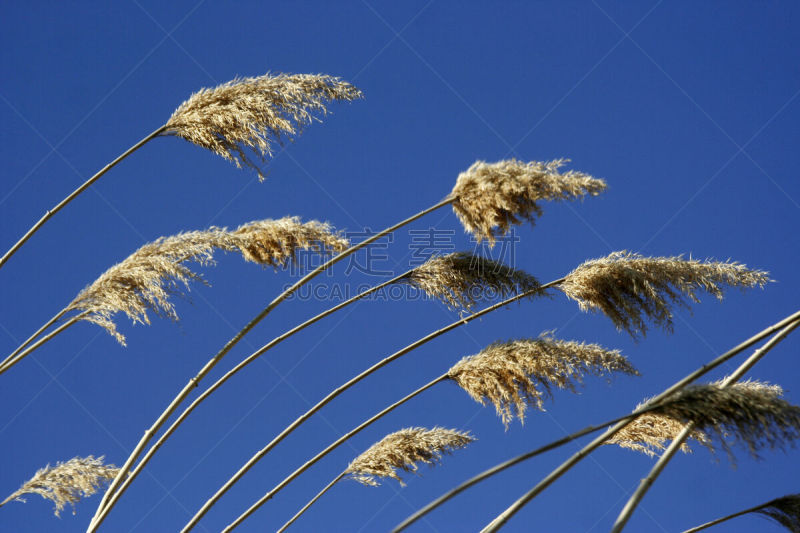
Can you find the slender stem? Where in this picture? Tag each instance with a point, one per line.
(19, 357)
(726, 518)
(30, 339)
(252, 357)
(101, 512)
(309, 504)
(621, 423)
(339, 390)
(669, 453)
(269, 495)
(75, 193)
(501, 519)
(508, 464)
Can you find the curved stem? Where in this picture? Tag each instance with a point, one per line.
(726, 518)
(19, 357)
(32, 338)
(101, 511)
(303, 510)
(339, 390)
(501, 519)
(669, 453)
(620, 423)
(252, 357)
(75, 193)
(269, 495)
(508, 464)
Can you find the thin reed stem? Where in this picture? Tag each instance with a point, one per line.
(339, 390)
(726, 518)
(647, 482)
(76, 192)
(308, 464)
(501, 519)
(620, 424)
(252, 357)
(32, 338)
(104, 506)
(303, 510)
(19, 357)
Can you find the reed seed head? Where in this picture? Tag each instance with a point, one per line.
(66, 483)
(402, 450)
(250, 114)
(629, 288)
(750, 413)
(515, 374)
(461, 279)
(491, 197)
(146, 279)
(785, 511)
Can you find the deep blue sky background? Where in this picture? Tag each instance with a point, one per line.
(689, 110)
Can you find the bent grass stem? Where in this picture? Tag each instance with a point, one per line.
(104, 506)
(49, 213)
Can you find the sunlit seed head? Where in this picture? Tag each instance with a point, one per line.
(489, 198)
(402, 450)
(631, 289)
(516, 374)
(250, 114)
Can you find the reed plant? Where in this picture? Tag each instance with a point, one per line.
(243, 121)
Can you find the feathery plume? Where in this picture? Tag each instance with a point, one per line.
(460, 279)
(514, 374)
(785, 511)
(252, 113)
(751, 413)
(491, 197)
(628, 288)
(146, 279)
(67, 483)
(402, 450)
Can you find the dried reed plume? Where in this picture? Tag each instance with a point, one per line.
(460, 279)
(402, 450)
(252, 113)
(491, 197)
(67, 483)
(629, 288)
(785, 511)
(514, 374)
(146, 279)
(751, 413)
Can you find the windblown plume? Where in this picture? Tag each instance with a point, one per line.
(629, 288)
(750, 413)
(402, 450)
(460, 279)
(491, 197)
(785, 511)
(146, 279)
(249, 114)
(66, 483)
(514, 374)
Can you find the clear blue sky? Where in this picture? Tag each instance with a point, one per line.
(689, 110)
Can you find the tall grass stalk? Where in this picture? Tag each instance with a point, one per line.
(20, 354)
(619, 423)
(784, 510)
(647, 482)
(517, 378)
(104, 506)
(506, 515)
(59, 206)
(585, 283)
(242, 114)
(397, 451)
(342, 388)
